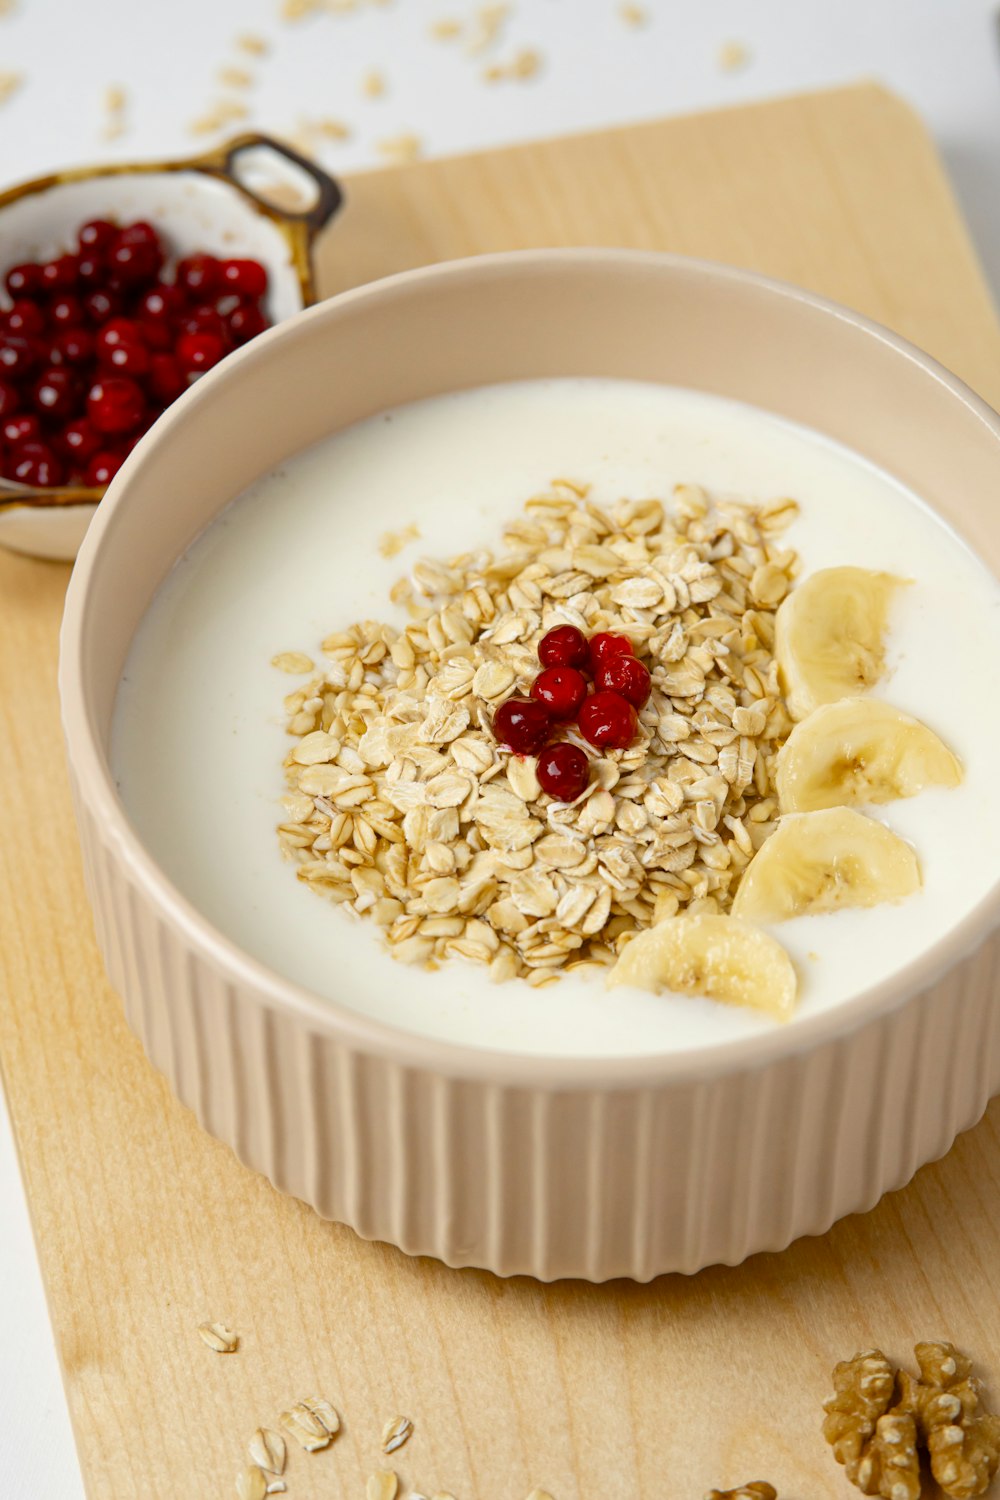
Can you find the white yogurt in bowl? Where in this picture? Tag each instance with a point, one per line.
(199, 736)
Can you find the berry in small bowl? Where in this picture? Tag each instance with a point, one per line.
(149, 276)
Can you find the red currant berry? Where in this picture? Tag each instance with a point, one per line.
(25, 428)
(608, 721)
(522, 724)
(626, 676)
(102, 304)
(561, 689)
(90, 271)
(245, 322)
(159, 305)
(136, 262)
(563, 771)
(96, 235)
(78, 440)
(198, 275)
(115, 404)
(9, 400)
(18, 356)
(24, 280)
(205, 319)
(166, 378)
(127, 359)
(35, 463)
(25, 318)
(103, 467)
(604, 644)
(56, 394)
(564, 647)
(73, 346)
(140, 232)
(115, 332)
(59, 275)
(199, 351)
(246, 277)
(66, 311)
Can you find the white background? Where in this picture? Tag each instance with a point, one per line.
(941, 55)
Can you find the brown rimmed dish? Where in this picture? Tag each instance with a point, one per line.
(213, 201)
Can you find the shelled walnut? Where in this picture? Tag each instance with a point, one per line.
(890, 1466)
(963, 1439)
(878, 1420)
(864, 1390)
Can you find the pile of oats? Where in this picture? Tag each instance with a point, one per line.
(402, 808)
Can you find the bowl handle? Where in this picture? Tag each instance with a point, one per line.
(226, 163)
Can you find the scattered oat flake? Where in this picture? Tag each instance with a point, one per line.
(268, 1450)
(382, 1485)
(391, 543)
(395, 1433)
(401, 148)
(293, 661)
(373, 84)
(251, 1483)
(9, 85)
(296, 10)
(538, 1494)
(114, 102)
(325, 129)
(332, 130)
(524, 64)
(235, 78)
(218, 117)
(633, 15)
(276, 1487)
(218, 1337)
(252, 44)
(733, 56)
(488, 26)
(312, 1422)
(446, 30)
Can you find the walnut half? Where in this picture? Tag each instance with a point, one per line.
(878, 1420)
(962, 1438)
(872, 1428)
(758, 1489)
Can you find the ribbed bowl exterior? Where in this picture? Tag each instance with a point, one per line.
(556, 1167)
(552, 1183)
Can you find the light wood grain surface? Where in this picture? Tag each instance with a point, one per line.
(146, 1227)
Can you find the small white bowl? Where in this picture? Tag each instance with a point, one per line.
(556, 1166)
(214, 203)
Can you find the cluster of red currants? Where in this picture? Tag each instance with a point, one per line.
(95, 344)
(607, 718)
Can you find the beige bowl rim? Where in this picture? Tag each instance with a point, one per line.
(354, 1029)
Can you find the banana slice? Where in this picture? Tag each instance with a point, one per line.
(828, 636)
(820, 861)
(711, 955)
(860, 751)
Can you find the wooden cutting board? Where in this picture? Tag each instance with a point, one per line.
(146, 1227)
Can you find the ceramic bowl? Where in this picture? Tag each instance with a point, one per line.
(222, 202)
(552, 1166)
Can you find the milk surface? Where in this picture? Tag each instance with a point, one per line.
(199, 737)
